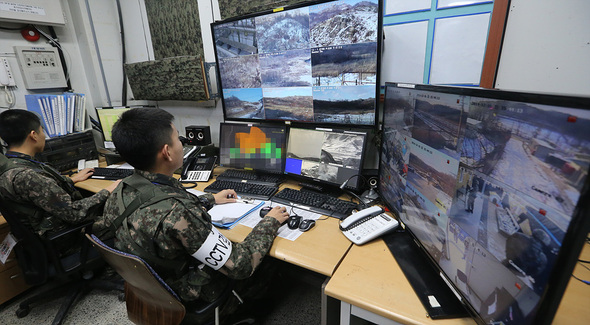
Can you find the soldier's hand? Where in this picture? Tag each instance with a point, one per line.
(279, 213)
(225, 196)
(82, 175)
(112, 187)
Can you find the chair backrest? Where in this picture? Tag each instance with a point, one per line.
(30, 251)
(149, 299)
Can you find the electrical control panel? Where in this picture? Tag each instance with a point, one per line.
(40, 67)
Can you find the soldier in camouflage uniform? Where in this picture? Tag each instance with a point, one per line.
(37, 186)
(175, 235)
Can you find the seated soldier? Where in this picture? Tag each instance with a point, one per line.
(46, 200)
(169, 227)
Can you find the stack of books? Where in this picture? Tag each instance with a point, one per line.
(60, 114)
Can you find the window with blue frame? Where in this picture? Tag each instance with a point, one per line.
(435, 41)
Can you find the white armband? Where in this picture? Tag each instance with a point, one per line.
(215, 251)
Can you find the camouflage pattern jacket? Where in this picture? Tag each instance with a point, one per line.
(175, 229)
(37, 185)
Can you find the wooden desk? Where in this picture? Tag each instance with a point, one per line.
(320, 249)
(12, 281)
(370, 284)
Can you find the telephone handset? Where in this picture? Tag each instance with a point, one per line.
(197, 169)
(367, 224)
(6, 78)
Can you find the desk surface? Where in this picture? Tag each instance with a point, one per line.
(370, 278)
(320, 249)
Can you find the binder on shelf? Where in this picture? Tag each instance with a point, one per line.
(60, 114)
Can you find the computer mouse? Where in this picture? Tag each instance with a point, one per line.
(306, 224)
(264, 211)
(293, 222)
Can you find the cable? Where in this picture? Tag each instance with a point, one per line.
(65, 55)
(123, 56)
(15, 28)
(583, 281)
(9, 95)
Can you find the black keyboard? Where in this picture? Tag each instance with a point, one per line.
(246, 189)
(316, 202)
(252, 177)
(111, 173)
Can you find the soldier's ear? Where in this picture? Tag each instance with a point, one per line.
(165, 152)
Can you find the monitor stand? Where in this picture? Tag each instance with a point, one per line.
(424, 277)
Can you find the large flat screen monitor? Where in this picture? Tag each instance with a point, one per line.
(252, 147)
(316, 62)
(333, 157)
(493, 186)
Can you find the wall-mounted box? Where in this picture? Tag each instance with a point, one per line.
(42, 12)
(40, 67)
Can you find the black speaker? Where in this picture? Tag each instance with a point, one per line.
(198, 135)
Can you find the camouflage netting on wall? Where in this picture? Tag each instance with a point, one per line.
(178, 78)
(178, 48)
(175, 28)
(234, 8)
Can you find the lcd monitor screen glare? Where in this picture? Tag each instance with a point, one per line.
(253, 147)
(301, 65)
(488, 186)
(326, 155)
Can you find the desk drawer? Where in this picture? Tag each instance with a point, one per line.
(12, 282)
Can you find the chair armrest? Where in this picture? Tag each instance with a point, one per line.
(70, 230)
(54, 255)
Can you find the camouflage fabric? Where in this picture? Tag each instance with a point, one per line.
(175, 78)
(175, 28)
(42, 190)
(235, 8)
(184, 226)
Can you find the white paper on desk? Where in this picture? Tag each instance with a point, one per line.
(291, 234)
(6, 247)
(123, 166)
(230, 212)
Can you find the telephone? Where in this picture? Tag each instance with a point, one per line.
(197, 169)
(367, 224)
(6, 78)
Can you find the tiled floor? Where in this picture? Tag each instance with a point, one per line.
(299, 303)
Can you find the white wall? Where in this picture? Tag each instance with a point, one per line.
(546, 47)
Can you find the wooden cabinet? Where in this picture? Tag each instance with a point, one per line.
(12, 281)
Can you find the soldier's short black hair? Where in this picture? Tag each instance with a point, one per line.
(16, 124)
(140, 133)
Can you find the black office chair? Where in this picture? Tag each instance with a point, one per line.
(150, 301)
(54, 273)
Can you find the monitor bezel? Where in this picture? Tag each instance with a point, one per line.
(378, 86)
(261, 125)
(358, 179)
(579, 226)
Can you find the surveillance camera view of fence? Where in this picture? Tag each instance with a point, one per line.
(329, 156)
(513, 195)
